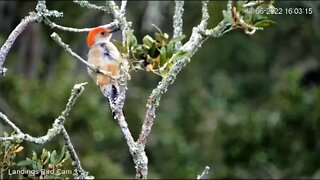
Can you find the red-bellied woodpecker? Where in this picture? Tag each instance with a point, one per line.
(106, 56)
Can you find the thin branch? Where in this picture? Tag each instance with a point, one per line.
(89, 5)
(205, 15)
(43, 11)
(125, 130)
(253, 3)
(177, 21)
(6, 120)
(119, 17)
(70, 29)
(80, 173)
(194, 43)
(204, 173)
(33, 17)
(123, 6)
(56, 126)
(66, 47)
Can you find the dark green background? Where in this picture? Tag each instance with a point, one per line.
(247, 106)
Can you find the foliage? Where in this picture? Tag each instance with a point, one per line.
(8, 153)
(156, 54)
(48, 165)
(238, 107)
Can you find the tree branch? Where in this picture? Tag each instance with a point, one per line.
(123, 6)
(56, 126)
(204, 173)
(89, 5)
(66, 47)
(80, 173)
(13, 36)
(194, 43)
(177, 21)
(6, 120)
(70, 29)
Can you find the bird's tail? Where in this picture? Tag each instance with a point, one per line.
(110, 91)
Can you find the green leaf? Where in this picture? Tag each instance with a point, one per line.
(240, 4)
(34, 165)
(162, 38)
(66, 157)
(39, 164)
(178, 55)
(264, 23)
(44, 154)
(148, 41)
(139, 51)
(131, 40)
(34, 155)
(25, 162)
(63, 153)
(170, 49)
(178, 38)
(53, 156)
(47, 158)
(122, 49)
(164, 71)
(163, 57)
(5, 134)
(227, 16)
(258, 17)
(153, 51)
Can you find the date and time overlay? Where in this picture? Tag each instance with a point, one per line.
(281, 11)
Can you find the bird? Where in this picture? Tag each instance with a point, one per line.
(104, 55)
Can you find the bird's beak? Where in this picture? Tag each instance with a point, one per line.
(112, 30)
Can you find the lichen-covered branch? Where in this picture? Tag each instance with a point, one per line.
(177, 21)
(123, 7)
(204, 173)
(5, 48)
(66, 47)
(71, 29)
(191, 46)
(199, 34)
(139, 156)
(89, 5)
(56, 126)
(6, 120)
(43, 11)
(79, 172)
(119, 16)
(205, 15)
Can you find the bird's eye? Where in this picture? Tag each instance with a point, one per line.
(102, 33)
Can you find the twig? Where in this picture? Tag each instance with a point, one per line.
(119, 17)
(253, 3)
(14, 127)
(43, 11)
(205, 15)
(123, 6)
(89, 5)
(56, 126)
(177, 21)
(204, 173)
(66, 47)
(33, 17)
(70, 29)
(80, 173)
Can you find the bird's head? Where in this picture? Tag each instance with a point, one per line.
(99, 34)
